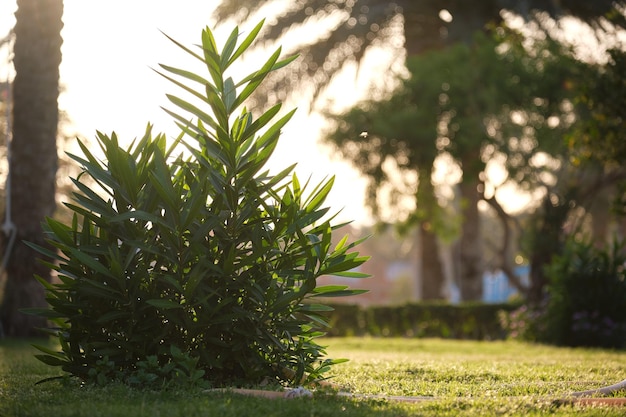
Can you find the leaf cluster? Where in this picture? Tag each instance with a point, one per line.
(602, 100)
(199, 263)
(586, 291)
(494, 97)
(462, 100)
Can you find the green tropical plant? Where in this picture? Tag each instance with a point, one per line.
(197, 263)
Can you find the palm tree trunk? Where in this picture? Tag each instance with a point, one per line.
(33, 161)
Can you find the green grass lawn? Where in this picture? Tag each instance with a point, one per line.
(463, 378)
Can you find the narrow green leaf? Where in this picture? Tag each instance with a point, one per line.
(124, 170)
(90, 262)
(187, 126)
(243, 46)
(85, 150)
(295, 185)
(177, 141)
(188, 107)
(342, 264)
(263, 120)
(329, 288)
(317, 199)
(212, 58)
(165, 304)
(276, 66)
(95, 201)
(183, 73)
(188, 89)
(319, 320)
(230, 95)
(184, 48)
(96, 171)
(352, 274)
(161, 180)
(51, 360)
(257, 78)
(42, 312)
(342, 293)
(88, 215)
(228, 49)
(341, 243)
(61, 232)
(49, 351)
(315, 307)
(143, 144)
(274, 130)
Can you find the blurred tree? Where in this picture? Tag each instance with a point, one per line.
(602, 98)
(346, 29)
(491, 100)
(33, 158)
(591, 169)
(596, 148)
(382, 131)
(358, 25)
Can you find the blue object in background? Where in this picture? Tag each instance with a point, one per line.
(496, 286)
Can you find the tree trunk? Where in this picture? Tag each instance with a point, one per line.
(601, 217)
(504, 253)
(432, 271)
(470, 245)
(33, 157)
(422, 24)
(433, 278)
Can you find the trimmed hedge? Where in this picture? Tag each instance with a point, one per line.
(476, 321)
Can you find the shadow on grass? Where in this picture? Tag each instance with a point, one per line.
(20, 396)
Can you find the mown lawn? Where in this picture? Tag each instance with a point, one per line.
(463, 378)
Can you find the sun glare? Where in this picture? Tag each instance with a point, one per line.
(109, 49)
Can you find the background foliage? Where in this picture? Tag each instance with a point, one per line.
(587, 292)
(583, 306)
(472, 321)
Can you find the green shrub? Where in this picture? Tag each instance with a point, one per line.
(477, 321)
(587, 295)
(525, 323)
(199, 266)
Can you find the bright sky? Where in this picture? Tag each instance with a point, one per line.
(109, 48)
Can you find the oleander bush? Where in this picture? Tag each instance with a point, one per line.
(196, 265)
